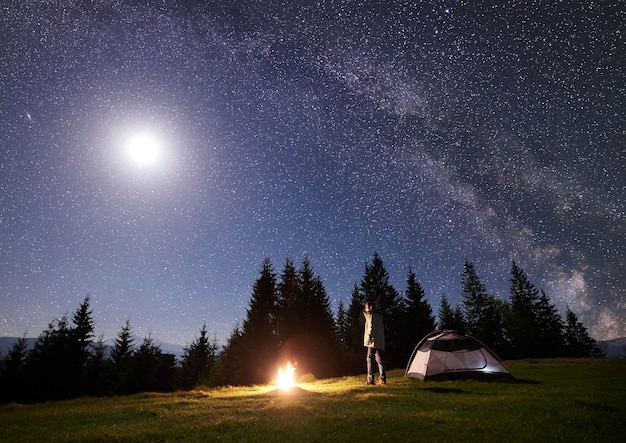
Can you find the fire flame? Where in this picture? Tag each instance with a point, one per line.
(285, 376)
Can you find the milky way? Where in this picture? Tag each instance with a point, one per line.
(430, 133)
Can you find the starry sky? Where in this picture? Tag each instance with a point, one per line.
(153, 153)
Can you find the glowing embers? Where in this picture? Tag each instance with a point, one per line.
(285, 376)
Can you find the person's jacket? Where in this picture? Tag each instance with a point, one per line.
(374, 335)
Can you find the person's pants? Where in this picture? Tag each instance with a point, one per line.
(375, 353)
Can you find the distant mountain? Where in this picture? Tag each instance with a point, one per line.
(6, 343)
(615, 348)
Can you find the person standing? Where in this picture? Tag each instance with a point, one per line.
(374, 341)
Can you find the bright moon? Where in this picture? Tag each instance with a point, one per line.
(144, 150)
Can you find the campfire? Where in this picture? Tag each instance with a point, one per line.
(284, 379)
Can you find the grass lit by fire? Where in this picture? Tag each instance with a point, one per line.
(568, 400)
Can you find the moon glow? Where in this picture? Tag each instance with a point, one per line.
(144, 150)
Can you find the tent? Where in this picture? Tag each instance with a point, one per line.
(446, 355)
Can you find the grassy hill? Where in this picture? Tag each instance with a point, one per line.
(550, 400)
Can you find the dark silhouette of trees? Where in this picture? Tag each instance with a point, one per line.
(578, 343)
(198, 361)
(55, 365)
(482, 315)
(151, 369)
(415, 316)
(251, 351)
(121, 353)
(81, 342)
(259, 332)
(445, 314)
(406, 319)
(289, 318)
(45, 364)
(83, 330)
(500, 341)
(534, 324)
(97, 370)
(459, 319)
(229, 369)
(306, 326)
(292, 307)
(375, 287)
(354, 359)
(450, 318)
(12, 371)
(324, 353)
(65, 363)
(475, 301)
(417, 307)
(136, 369)
(551, 328)
(523, 325)
(344, 340)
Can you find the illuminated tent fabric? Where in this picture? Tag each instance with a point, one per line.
(446, 355)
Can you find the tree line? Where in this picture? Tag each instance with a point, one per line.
(289, 319)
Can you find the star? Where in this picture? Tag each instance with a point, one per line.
(154, 155)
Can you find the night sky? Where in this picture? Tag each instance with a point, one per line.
(153, 153)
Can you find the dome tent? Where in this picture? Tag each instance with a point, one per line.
(449, 355)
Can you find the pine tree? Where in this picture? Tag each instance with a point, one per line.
(419, 311)
(57, 362)
(83, 330)
(120, 358)
(445, 314)
(497, 336)
(578, 343)
(80, 344)
(475, 300)
(259, 341)
(97, 370)
(523, 323)
(482, 316)
(342, 328)
(312, 341)
(354, 358)
(375, 287)
(459, 324)
(355, 314)
(449, 318)
(123, 346)
(151, 369)
(198, 360)
(12, 372)
(47, 363)
(229, 369)
(551, 327)
(416, 316)
(290, 306)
